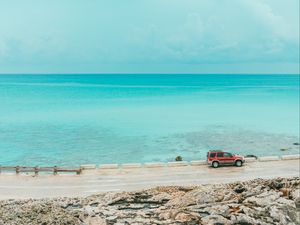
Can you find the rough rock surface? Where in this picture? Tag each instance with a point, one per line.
(265, 202)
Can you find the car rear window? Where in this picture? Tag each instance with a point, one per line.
(212, 155)
(226, 154)
(220, 154)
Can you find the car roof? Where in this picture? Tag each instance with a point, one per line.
(216, 151)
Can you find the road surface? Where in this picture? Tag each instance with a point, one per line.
(14, 186)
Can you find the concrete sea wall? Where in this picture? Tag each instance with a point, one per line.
(182, 163)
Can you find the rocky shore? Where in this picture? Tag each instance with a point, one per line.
(265, 202)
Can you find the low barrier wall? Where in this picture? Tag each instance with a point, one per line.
(268, 158)
(289, 157)
(186, 163)
(36, 170)
(55, 169)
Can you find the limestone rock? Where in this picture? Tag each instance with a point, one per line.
(215, 220)
(259, 201)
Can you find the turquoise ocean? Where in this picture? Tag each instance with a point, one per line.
(68, 120)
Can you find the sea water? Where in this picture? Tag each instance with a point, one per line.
(69, 120)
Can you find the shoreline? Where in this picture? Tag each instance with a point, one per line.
(190, 146)
(134, 165)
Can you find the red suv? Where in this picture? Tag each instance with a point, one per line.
(217, 157)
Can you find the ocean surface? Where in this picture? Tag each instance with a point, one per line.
(68, 120)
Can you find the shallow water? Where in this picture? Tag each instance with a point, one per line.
(74, 119)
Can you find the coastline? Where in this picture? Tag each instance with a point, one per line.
(55, 170)
(190, 146)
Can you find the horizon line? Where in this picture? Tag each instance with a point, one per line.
(150, 73)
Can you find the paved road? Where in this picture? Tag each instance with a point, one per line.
(95, 181)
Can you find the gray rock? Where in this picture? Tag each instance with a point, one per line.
(252, 202)
(266, 198)
(215, 220)
(244, 219)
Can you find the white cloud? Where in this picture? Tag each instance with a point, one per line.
(276, 24)
(170, 32)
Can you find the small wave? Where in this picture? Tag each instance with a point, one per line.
(71, 84)
(74, 84)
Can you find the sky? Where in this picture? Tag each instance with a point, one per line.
(149, 36)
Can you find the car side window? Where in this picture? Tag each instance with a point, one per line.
(220, 154)
(228, 155)
(213, 155)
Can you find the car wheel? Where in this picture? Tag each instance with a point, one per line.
(238, 163)
(215, 164)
